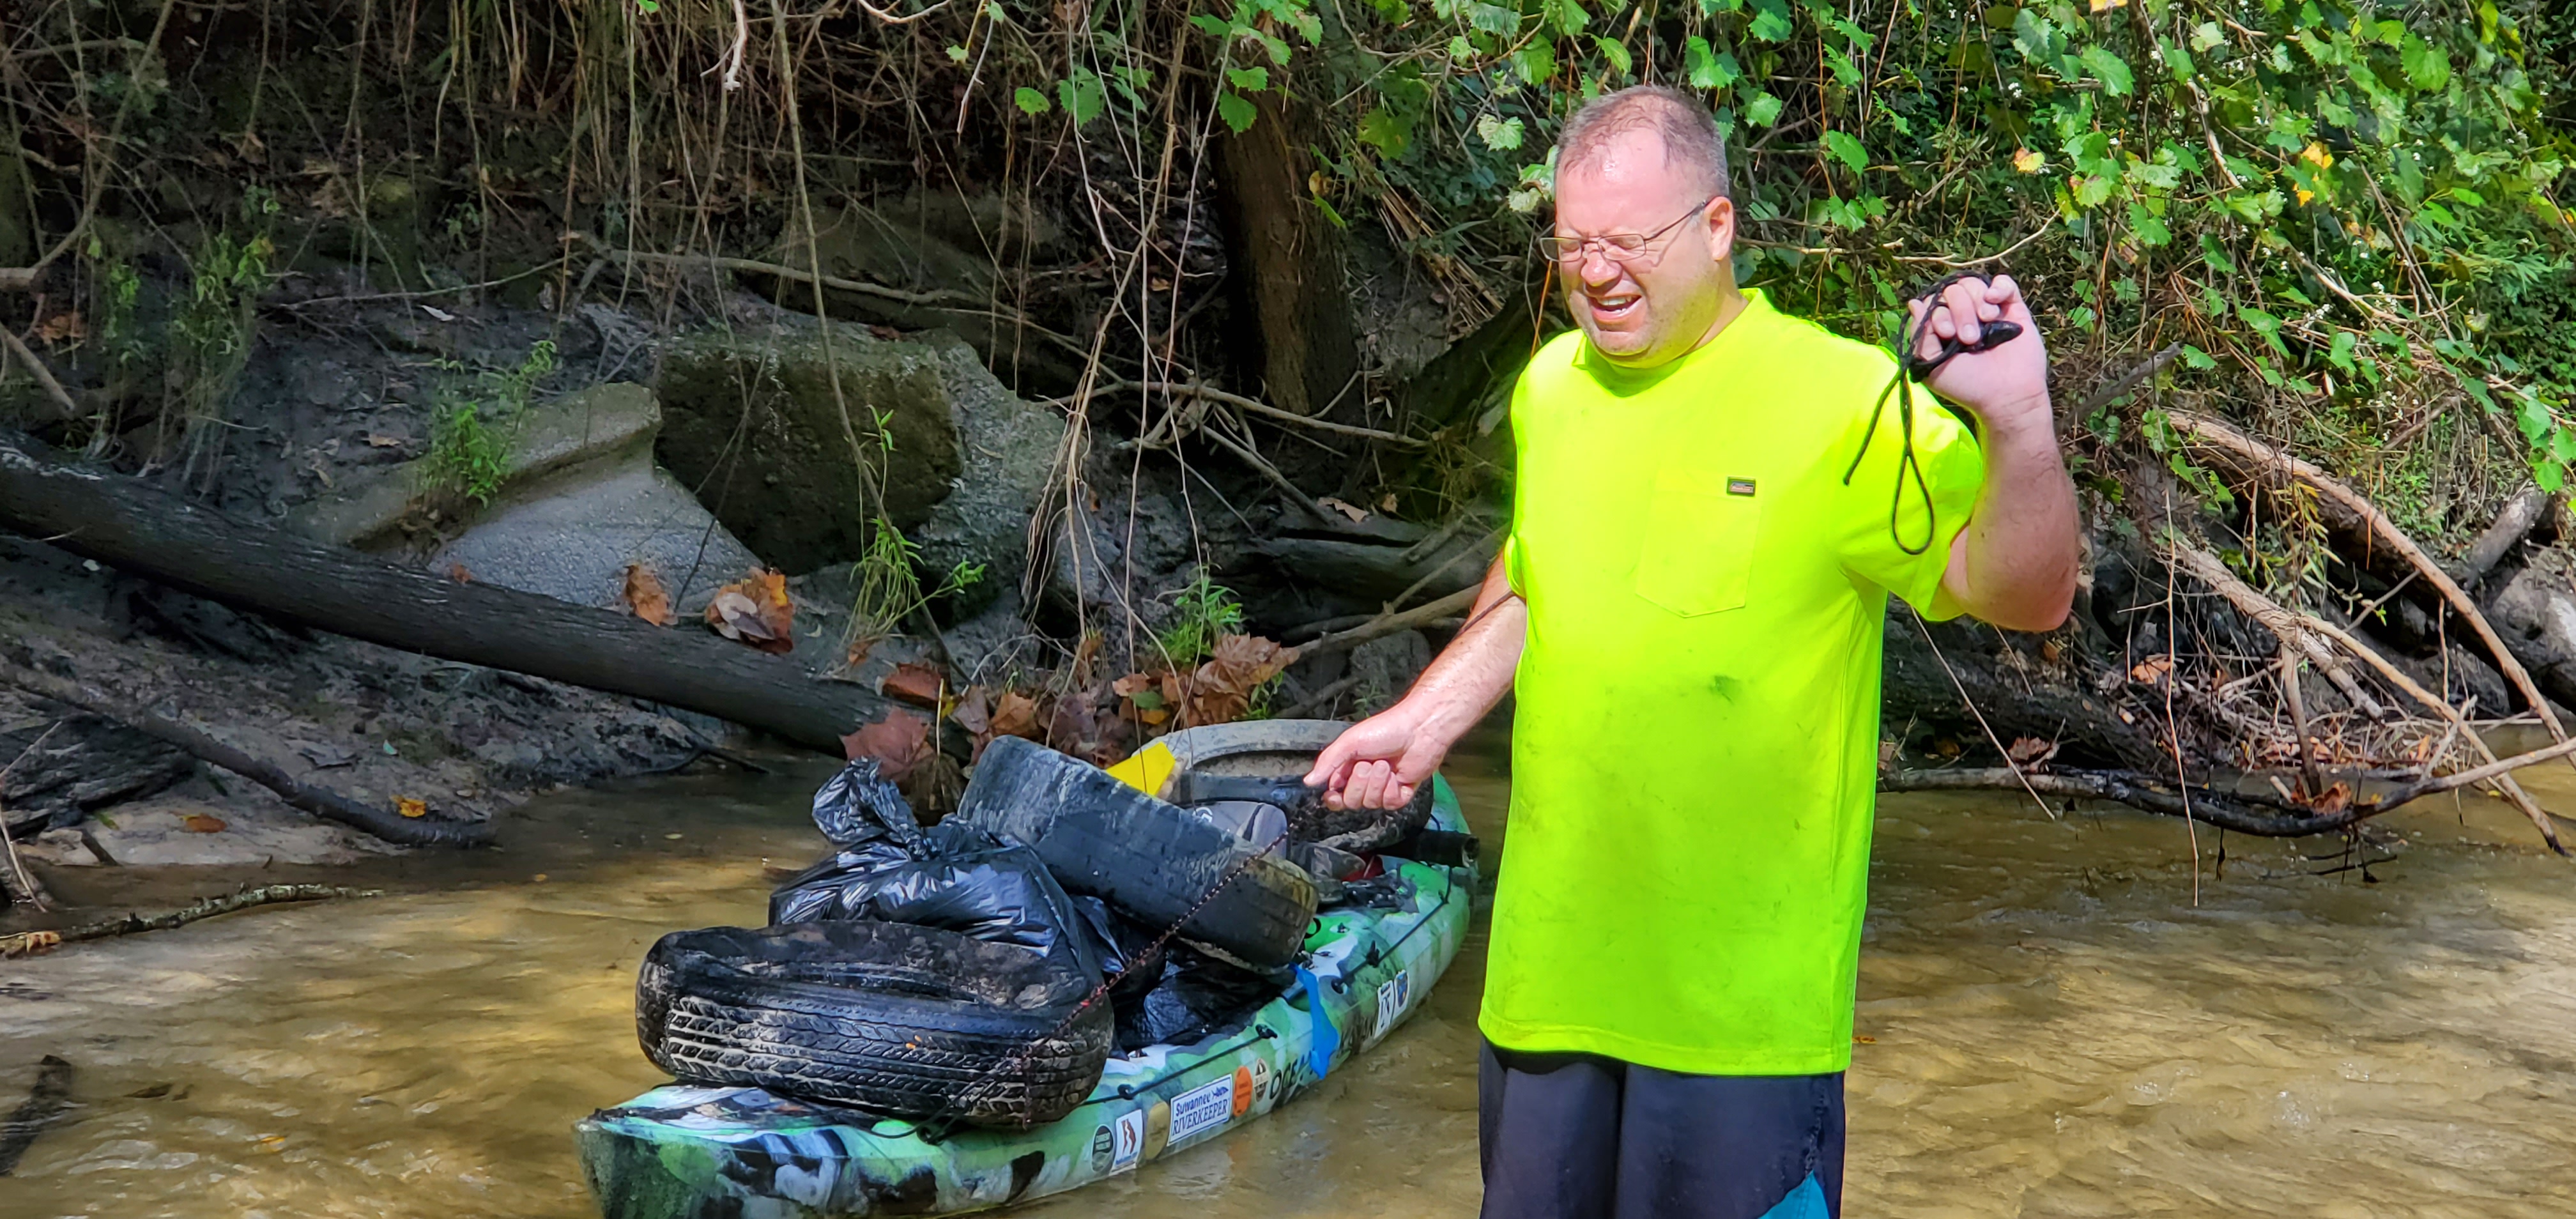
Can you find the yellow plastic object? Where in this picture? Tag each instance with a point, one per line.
(1148, 769)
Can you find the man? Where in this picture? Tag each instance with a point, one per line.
(1690, 607)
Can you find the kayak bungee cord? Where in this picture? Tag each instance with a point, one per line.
(1911, 367)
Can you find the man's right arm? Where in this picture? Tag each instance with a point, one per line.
(1378, 762)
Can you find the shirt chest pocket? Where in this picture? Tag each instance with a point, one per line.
(1700, 531)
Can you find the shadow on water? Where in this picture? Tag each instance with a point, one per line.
(2053, 1028)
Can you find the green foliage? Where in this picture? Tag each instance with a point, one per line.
(889, 587)
(477, 419)
(1203, 611)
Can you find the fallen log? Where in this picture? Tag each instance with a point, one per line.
(384, 823)
(126, 524)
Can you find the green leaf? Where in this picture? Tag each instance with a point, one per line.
(1501, 135)
(1708, 70)
(1236, 112)
(1386, 131)
(1250, 80)
(1031, 101)
(956, 54)
(2207, 35)
(2108, 68)
(2549, 474)
(2196, 358)
(2467, 196)
(1213, 27)
(1325, 206)
(2562, 445)
(1614, 53)
(2148, 226)
(2091, 190)
(1081, 96)
(2530, 416)
(2341, 355)
(1848, 147)
(1535, 63)
(1567, 14)
(1771, 21)
(1762, 110)
(2428, 67)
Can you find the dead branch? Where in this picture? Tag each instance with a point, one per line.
(2209, 570)
(44, 376)
(2268, 460)
(1387, 624)
(322, 802)
(31, 942)
(1265, 410)
(2280, 622)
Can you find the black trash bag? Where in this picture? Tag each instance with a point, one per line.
(1196, 997)
(1129, 957)
(952, 876)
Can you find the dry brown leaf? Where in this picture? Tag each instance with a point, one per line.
(30, 943)
(458, 573)
(974, 712)
(645, 596)
(411, 807)
(899, 742)
(379, 441)
(203, 823)
(65, 327)
(2031, 751)
(2152, 669)
(1346, 508)
(1222, 689)
(1015, 714)
(755, 610)
(915, 683)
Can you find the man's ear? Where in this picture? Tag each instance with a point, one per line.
(1721, 228)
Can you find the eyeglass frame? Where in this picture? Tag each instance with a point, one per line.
(1571, 254)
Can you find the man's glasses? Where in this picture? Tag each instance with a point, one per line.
(1618, 247)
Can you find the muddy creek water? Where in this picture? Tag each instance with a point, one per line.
(2051, 1026)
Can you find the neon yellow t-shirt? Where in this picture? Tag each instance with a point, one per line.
(1694, 750)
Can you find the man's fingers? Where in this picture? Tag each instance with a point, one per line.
(1327, 763)
(1963, 301)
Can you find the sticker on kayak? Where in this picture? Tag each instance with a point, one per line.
(1392, 995)
(1202, 1108)
(1128, 1139)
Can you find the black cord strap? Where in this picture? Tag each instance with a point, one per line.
(1911, 367)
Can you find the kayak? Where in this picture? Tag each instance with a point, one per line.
(683, 1152)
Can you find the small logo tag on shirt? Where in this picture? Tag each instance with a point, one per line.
(1739, 486)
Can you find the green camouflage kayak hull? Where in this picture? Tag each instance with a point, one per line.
(682, 1152)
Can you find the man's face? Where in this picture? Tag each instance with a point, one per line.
(1643, 310)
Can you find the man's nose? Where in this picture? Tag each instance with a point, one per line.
(1597, 268)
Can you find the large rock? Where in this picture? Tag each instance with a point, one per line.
(580, 499)
(755, 423)
(968, 470)
(2535, 613)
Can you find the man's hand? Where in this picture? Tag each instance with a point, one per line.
(2008, 386)
(1378, 762)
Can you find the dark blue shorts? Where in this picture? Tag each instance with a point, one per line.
(1579, 1136)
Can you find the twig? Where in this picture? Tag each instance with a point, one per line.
(1387, 624)
(26, 881)
(2274, 460)
(1296, 495)
(2009, 251)
(1477, 551)
(30, 942)
(2298, 701)
(44, 377)
(1263, 409)
(1320, 699)
(1988, 729)
(321, 802)
(2127, 381)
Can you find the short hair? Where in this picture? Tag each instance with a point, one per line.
(1683, 122)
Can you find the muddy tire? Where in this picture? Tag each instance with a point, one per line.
(904, 1021)
(1154, 861)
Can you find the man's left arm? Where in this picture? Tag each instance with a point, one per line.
(2014, 565)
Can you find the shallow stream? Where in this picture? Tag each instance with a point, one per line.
(2052, 1026)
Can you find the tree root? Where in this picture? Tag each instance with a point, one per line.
(30, 943)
